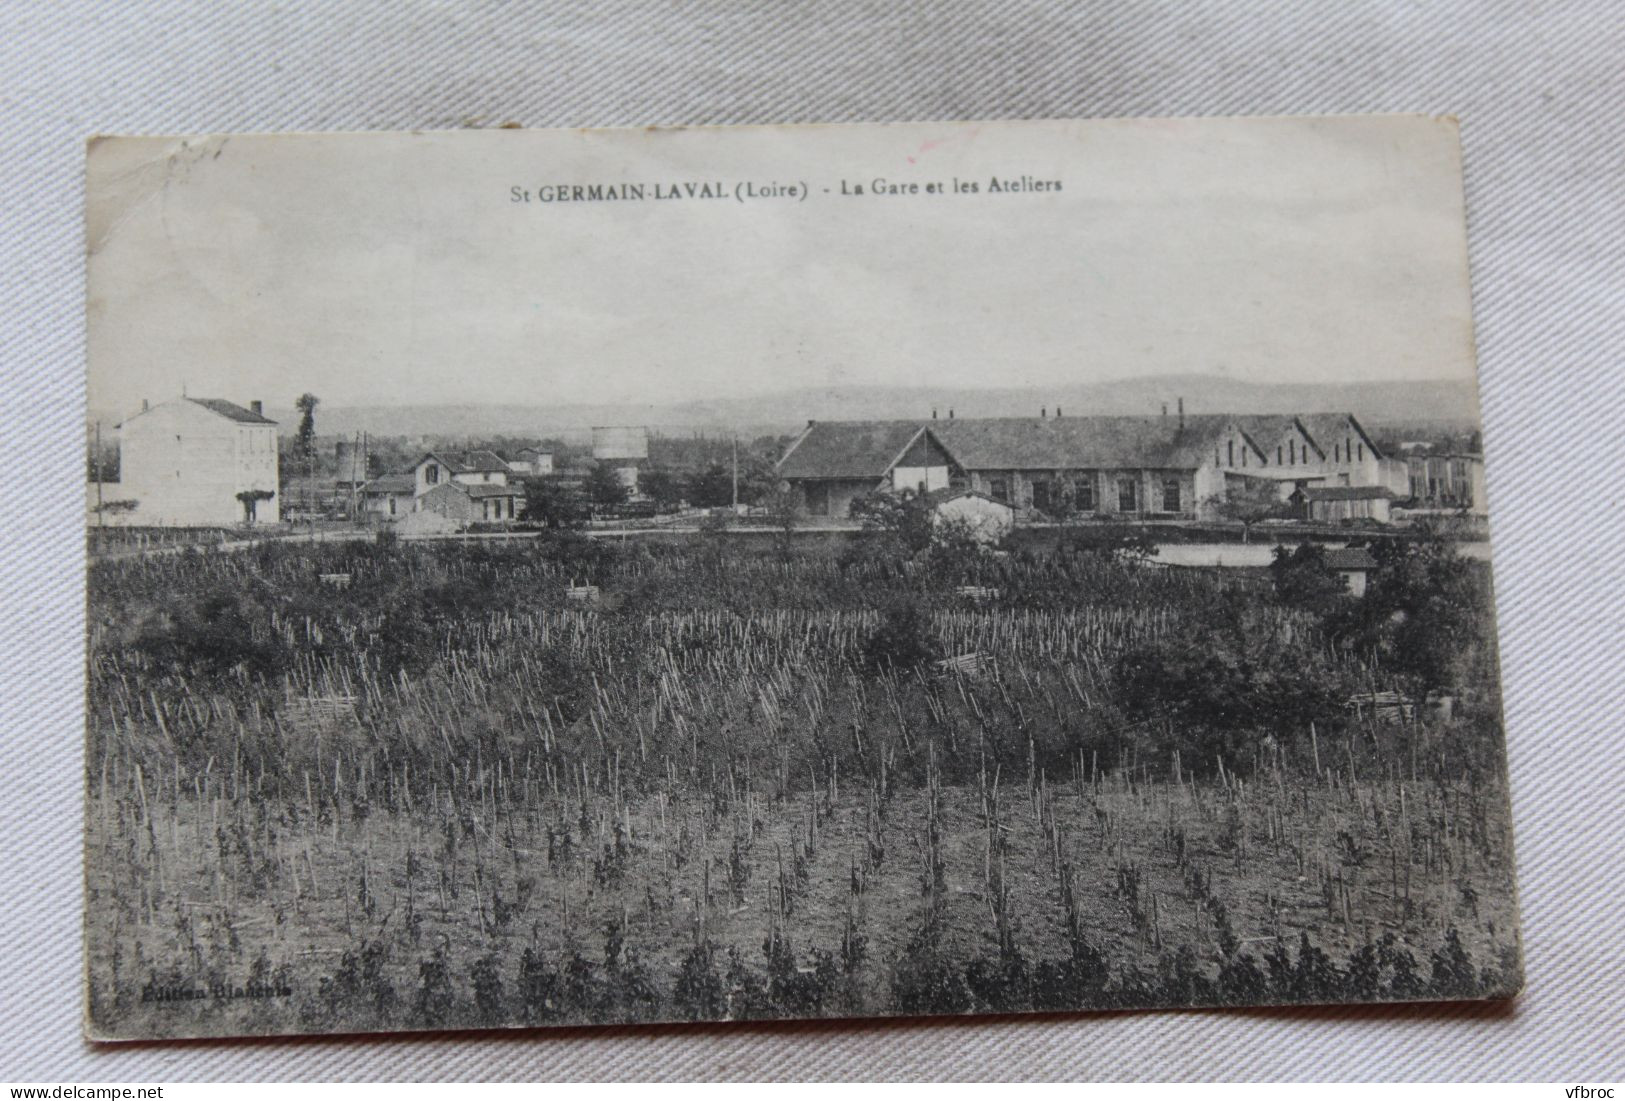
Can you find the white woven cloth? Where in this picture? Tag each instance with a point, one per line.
(1540, 89)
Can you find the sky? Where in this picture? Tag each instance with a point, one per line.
(406, 268)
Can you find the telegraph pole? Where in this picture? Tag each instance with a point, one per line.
(736, 471)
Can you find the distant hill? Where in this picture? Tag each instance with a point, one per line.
(1445, 403)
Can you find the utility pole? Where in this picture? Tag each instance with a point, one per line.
(358, 454)
(366, 465)
(736, 471)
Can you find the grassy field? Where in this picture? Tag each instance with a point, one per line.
(738, 781)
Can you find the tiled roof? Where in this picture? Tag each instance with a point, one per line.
(480, 490)
(231, 410)
(943, 496)
(469, 462)
(866, 449)
(1083, 443)
(1346, 493)
(848, 449)
(390, 483)
(1350, 558)
(1329, 429)
(1265, 427)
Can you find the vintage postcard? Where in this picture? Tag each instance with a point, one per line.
(559, 577)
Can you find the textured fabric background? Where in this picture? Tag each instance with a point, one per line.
(1540, 88)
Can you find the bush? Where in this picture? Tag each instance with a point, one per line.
(904, 639)
(699, 994)
(487, 981)
(1302, 579)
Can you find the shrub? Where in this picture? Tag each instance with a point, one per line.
(699, 994)
(434, 997)
(903, 641)
(487, 980)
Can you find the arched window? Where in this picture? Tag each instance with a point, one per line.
(1231, 447)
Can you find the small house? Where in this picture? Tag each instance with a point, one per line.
(1447, 481)
(531, 462)
(987, 520)
(1339, 504)
(832, 463)
(388, 497)
(1352, 564)
(461, 467)
(485, 503)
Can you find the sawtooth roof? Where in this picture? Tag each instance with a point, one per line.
(867, 449)
(1264, 427)
(1327, 429)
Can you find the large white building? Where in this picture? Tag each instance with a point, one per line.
(199, 462)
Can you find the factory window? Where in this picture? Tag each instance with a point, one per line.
(1083, 495)
(1170, 495)
(1042, 496)
(1280, 456)
(1127, 495)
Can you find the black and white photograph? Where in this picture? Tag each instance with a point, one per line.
(720, 574)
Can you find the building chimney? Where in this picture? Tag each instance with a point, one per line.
(1057, 412)
(257, 407)
(1043, 413)
(1182, 414)
(933, 413)
(144, 405)
(1165, 409)
(950, 412)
